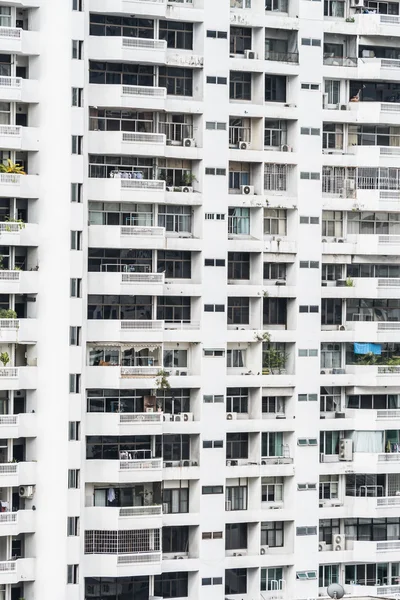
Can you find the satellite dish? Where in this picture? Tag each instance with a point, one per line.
(336, 591)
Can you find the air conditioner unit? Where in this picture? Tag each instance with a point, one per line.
(342, 106)
(339, 542)
(167, 465)
(169, 142)
(250, 54)
(165, 508)
(341, 327)
(177, 418)
(357, 3)
(286, 148)
(247, 190)
(169, 189)
(231, 416)
(340, 415)
(187, 416)
(243, 145)
(345, 449)
(264, 550)
(228, 505)
(26, 491)
(167, 417)
(322, 546)
(186, 189)
(189, 143)
(185, 463)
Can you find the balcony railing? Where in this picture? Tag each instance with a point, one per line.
(389, 19)
(139, 371)
(135, 465)
(142, 277)
(8, 227)
(10, 130)
(289, 57)
(388, 414)
(389, 283)
(8, 372)
(8, 468)
(131, 418)
(13, 178)
(10, 82)
(175, 132)
(389, 457)
(148, 185)
(10, 32)
(9, 323)
(144, 91)
(8, 566)
(143, 43)
(142, 138)
(8, 517)
(8, 420)
(387, 501)
(181, 325)
(140, 558)
(140, 511)
(340, 61)
(239, 134)
(141, 230)
(141, 324)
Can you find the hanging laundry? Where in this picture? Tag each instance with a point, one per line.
(111, 495)
(367, 348)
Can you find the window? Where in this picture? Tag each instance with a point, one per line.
(310, 86)
(276, 5)
(177, 80)
(215, 171)
(306, 531)
(272, 443)
(214, 262)
(74, 383)
(72, 573)
(76, 288)
(304, 353)
(77, 144)
(310, 42)
(272, 534)
(240, 40)
(308, 309)
(275, 133)
(276, 177)
(77, 5)
(177, 34)
(216, 80)
(175, 358)
(76, 240)
(235, 581)
(237, 400)
(272, 489)
(328, 487)
(238, 220)
(238, 311)
(213, 353)
(236, 497)
(76, 192)
(275, 221)
(271, 579)
(311, 176)
(329, 442)
(307, 442)
(212, 535)
(212, 489)
(331, 356)
(240, 85)
(274, 271)
(175, 539)
(235, 536)
(327, 529)
(214, 217)
(75, 336)
(275, 88)
(329, 574)
(77, 97)
(332, 88)
(237, 445)
(214, 308)
(274, 311)
(121, 73)
(302, 575)
(77, 49)
(207, 444)
(309, 264)
(273, 405)
(304, 487)
(215, 125)
(309, 131)
(72, 526)
(331, 311)
(175, 263)
(334, 8)
(332, 223)
(235, 358)
(167, 585)
(74, 479)
(213, 399)
(373, 223)
(74, 431)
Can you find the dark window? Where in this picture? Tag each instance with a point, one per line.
(175, 539)
(167, 585)
(272, 534)
(237, 445)
(240, 40)
(238, 311)
(120, 307)
(238, 265)
(118, 26)
(274, 311)
(120, 73)
(235, 581)
(235, 536)
(331, 311)
(177, 80)
(275, 88)
(178, 34)
(240, 85)
(176, 264)
(173, 309)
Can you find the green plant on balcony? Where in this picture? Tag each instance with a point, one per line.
(368, 359)
(350, 20)
(262, 336)
(274, 361)
(7, 313)
(188, 178)
(162, 382)
(12, 167)
(21, 224)
(4, 358)
(349, 282)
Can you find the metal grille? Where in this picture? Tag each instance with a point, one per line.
(122, 542)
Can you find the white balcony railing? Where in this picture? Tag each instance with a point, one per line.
(142, 230)
(389, 457)
(142, 277)
(138, 465)
(389, 239)
(148, 185)
(140, 558)
(8, 468)
(388, 325)
(388, 414)
(11, 130)
(139, 371)
(388, 546)
(144, 91)
(388, 370)
(8, 420)
(389, 283)
(7, 227)
(10, 82)
(10, 32)
(13, 178)
(142, 324)
(8, 517)
(140, 418)
(8, 566)
(392, 107)
(9, 275)
(143, 138)
(389, 19)
(144, 44)
(9, 323)
(387, 501)
(182, 325)
(8, 372)
(140, 511)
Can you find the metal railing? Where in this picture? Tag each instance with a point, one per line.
(388, 501)
(388, 325)
(140, 511)
(389, 19)
(389, 150)
(143, 138)
(389, 239)
(142, 277)
(8, 566)
(10, 178)
(389, 283)
(289, 57)
(238, 134)
(390, 63)
(9, 275)
(388, 546)
(176, 132)
(139, 324)
(143, 43)
(389, 457)
(144, 91)
(8, 227)
(133, 465)
(129, 418)
(12, 130)
(340, 61)
(392, 107)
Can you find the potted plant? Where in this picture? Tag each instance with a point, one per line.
(188, 178)
(7, 313)
(162, 382)
(12, 167)
(4, 358)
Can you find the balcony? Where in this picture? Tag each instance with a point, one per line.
(135, 331)
(128, 96)
(15, 571)
(19, 282)
(19, 186)
(18, 426)
(106, 190)
(14, 40)
(125, 49)
(18, 378)
(18, 330)
(123, 471)
(124, 423)
(364, 244)
(18, 234)
(125, 283)
(124, 518)
(122, 565)
(16, 474)
(14, 137)
(15, 89)
(378, 68)
(121, 142)
(15, 523)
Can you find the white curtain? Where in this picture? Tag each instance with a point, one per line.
(368, 441)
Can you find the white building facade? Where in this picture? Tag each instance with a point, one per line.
(200, 207)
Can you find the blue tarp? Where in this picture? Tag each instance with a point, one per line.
(367, 348)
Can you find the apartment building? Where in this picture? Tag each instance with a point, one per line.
(199, 299)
